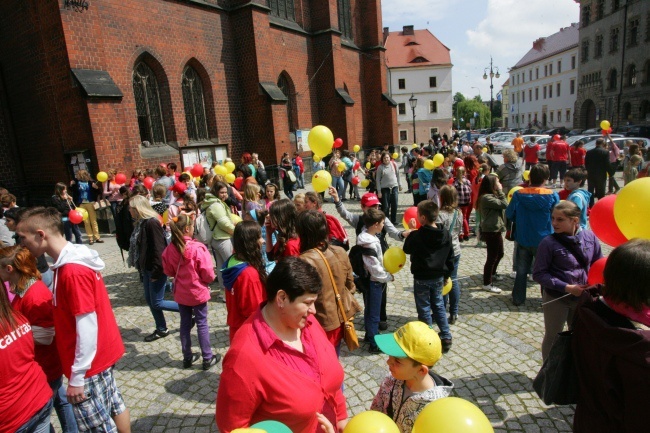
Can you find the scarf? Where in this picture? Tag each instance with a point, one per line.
(642, 316)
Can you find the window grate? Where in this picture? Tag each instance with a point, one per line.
(282, 9)
(345, 18)
(197, 128)
(147, 103)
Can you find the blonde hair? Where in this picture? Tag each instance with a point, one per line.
(142, 207)
(83, 176)
(252, 192)
(178, 226)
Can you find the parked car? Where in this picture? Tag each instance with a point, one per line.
(634, 131)
(592, 131)
(571, 140)
(574, 132)
(502, 141)
(620, 142)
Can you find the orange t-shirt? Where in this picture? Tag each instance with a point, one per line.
(518, 144)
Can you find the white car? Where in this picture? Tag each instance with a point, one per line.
(503, 141)
(541, 155)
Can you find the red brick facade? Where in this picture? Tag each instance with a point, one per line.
(232, 44)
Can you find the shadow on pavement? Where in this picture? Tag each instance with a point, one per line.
(176, 421)
(186, 387)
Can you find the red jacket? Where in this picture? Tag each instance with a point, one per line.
(256, 387)
(530, 153)
(192, 274)
(244, 299)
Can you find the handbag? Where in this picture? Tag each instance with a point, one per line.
(101, 204)
(557, 380)
(349, 333)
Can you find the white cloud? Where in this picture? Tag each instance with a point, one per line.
(398, 13)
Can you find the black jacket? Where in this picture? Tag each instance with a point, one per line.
(431, 253)
(151, 244)
(597, 162)
(64, 207)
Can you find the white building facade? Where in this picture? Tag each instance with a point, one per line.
(543, 84)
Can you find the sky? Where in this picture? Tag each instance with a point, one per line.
(474, 30)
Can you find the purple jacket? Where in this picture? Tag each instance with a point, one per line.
(555, 265)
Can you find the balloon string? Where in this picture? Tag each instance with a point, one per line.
(556, 299)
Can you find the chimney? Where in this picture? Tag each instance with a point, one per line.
(408, 31)
(386, 32)
(539, 44)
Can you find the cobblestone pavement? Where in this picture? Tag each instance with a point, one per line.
(495, 353)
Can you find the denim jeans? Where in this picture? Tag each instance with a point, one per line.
(337, 183)
(62, 407)
(72, 229)
(40, 422)
(525, 257)
(430, 305)
(154, 294)
(454, 295)
(371, 311)
(389, 203)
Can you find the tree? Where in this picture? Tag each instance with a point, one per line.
(467, 108)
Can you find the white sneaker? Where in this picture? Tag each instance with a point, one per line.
(513, 275)
(530, 278)
(490, 288)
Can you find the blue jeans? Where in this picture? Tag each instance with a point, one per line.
(40, 422)
(454, 296)
(525, 257)
(429, 304)
(154, 294)
(71, 229)
(63, 408)
(337, 183)
(372, 308)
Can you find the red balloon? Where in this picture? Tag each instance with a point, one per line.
(338, 143)
(607, 131)
(120, 178)
(411, 213)
(75, 216)
(595, 275)
(237, 183)
(148, 182)
(196, 170)
(355, 180)
(356, 165)
(603, 223)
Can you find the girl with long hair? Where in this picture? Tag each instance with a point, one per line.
(64, 204)
(387, 177)
(85, 193)
(147, 244)
(282, 222)
(218, 215)
(271, 194)
(111, 191)
(492, 204)
(189, 263)
(451, 218)
(251, 197)
(244, 275)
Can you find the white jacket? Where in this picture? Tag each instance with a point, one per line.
(374, 265)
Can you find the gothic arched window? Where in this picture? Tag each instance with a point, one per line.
(282, 9)
(147, 104)
(197, 128)
(285, 86)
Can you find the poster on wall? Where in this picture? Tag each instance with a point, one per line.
(302, 140)
(204, 155)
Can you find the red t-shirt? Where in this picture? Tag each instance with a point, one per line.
(292, 248)
(244, 299)
(550, 156)
(80, 290)
(577, 156)
(560, 151)
(23, 386)
(36, 305)
(564, 194)
(530, 153)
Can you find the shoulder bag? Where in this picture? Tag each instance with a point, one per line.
(349, 333)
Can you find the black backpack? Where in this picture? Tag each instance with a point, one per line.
(362, 276)
(261, 177)
(123, 226)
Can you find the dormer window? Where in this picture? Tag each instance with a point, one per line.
(419, 59)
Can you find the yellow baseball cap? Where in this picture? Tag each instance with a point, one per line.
(415, 340)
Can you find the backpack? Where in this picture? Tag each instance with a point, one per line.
(290, 176)
(464, 193)
(261, 177)
(123, 226)
(202, 229)
(362, 276)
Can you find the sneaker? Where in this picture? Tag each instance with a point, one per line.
(187, 362)
(207, 364)
(374, 349)
(490, 288)
(452, 319)
(383, 326)
(156, 335)
(99, 241)
(513, 275)
(446, 344)
(530, 278)
(497, 277)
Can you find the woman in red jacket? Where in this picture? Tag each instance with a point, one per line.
(280, 365)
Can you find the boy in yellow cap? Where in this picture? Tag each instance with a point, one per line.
(411, 350)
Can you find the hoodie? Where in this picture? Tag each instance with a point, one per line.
(374, 265)
(191, 273)
(530, 152)
(581, 198)
(509, 175)
(244, 292)
(390, 398)
(432, 255)
(217, 211)
(424, 176)
(531, 209)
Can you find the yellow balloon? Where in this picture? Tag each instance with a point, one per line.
(512, 192)
(394, 260)
(236, 219)
(415, 146)
(368, 165)
(230, 166)
(438, 159)
(316, 158)
(321, 140)
(220, 170)
(230, 177)
(605, 124)
(429, 165)
(395, 155)
(356, 148)
(83, 212)
(485, 149)
(452, 414)
(341, 166)
(321, 180)
(371, 421)
(165, 216)
(526, 175)
(102, 176)
(632, 209)
(364, 183)
(447, 287)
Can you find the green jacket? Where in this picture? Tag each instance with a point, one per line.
(218, 211)
(492, 208)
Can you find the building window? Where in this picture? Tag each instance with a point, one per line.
(568, 115)
(147, 104)
(433, 82)
(550, 91)
(572, 87)
(559, 66)
(530, 75)
(613, 40)
(537, 73)
(523, 77)
(523, 96)
(552, 116)
(600, 9)
(529, 118)
(433, 132)
(586, 15)
(401, 83)
(550, 69)
(518, 98)
(573, 62)
(545, 70)
(616, 4)
(197, 127)
(557, 90)
(598, 49)
(612, 80)
(530, 95)
(634, 33)
(433, 106)
(544, 91)
(285, 86)
(584, 53)
(345, 18)
(647, 27)
(403, 134)
(401, 108)
(536, 93)
(282, 9)
(627, 111)
(631, 75)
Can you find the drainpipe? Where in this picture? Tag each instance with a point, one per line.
(620, 88)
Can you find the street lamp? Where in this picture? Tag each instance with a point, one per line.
(413, 102)
(492, 75)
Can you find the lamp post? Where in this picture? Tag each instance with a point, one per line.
(413, 102)
(492, 75)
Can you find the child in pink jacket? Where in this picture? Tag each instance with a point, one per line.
(190, 264)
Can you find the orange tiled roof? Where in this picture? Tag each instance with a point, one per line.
(420, 49)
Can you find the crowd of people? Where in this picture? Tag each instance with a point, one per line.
(289, 277)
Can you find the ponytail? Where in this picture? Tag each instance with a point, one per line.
(178, 225)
